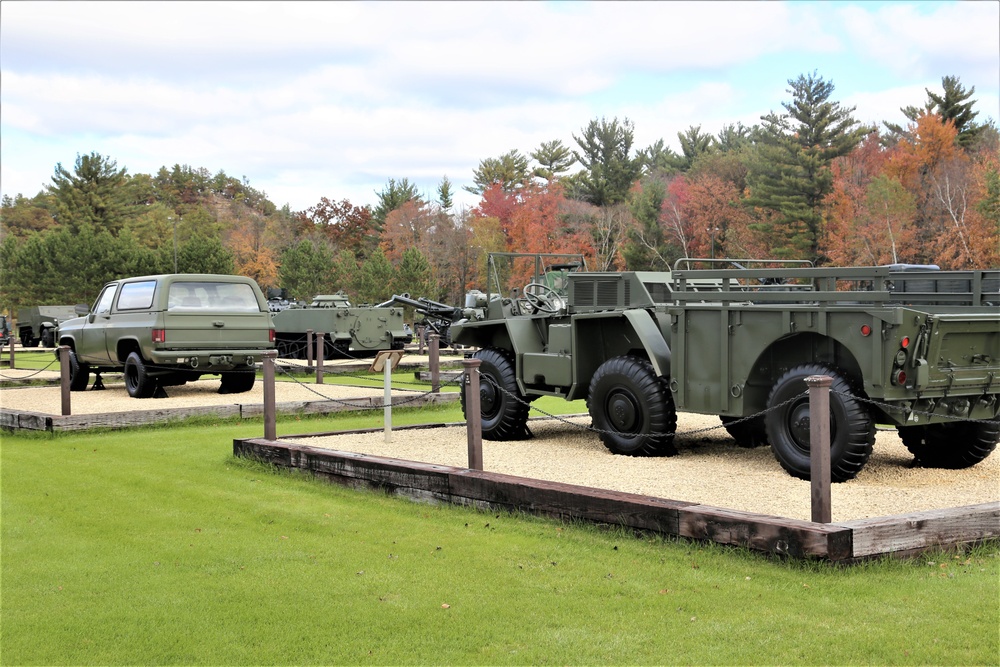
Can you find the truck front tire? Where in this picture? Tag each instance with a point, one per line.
(632, 408)
(852, 433)
(138, 383)
(504, 417)
(952, 445)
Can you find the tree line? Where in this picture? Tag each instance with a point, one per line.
(807, 182)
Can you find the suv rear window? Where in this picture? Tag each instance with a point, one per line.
(136, 295)
(231, 297)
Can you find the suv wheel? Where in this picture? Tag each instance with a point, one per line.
(138, 383)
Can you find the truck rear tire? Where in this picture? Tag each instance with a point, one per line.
(632, 408)
(79, 373)
(750, 433)
(138, 383)
(237, 382)
(953, 445)
(852, 433)
(504, 417)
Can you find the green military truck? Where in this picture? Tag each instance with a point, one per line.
(37, 324)
(348, 331)
(918, 349)
(166, 330)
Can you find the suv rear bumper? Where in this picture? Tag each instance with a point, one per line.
(207, 360)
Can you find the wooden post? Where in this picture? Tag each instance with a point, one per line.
(421, 333)
(13, 335)
(320, 353)
(473, 418)
(819, 446)
(64, 378)
(309, 349)
(434, 360)
(270, 414)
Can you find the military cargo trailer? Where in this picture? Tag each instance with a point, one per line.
(639, 346)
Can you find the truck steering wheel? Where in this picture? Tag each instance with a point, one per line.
(541, 297)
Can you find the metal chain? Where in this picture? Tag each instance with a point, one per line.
(735, 422)
(393, 404)
(909, 411)
(593, 429)
(26, 377)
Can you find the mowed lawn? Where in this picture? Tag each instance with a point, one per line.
(156, 546)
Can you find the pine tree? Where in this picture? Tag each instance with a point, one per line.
(791, 174)
(93, 194)
(609, 169)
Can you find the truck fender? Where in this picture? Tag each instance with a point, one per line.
(652, 340)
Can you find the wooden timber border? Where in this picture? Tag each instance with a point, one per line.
(20, 420)
(842, 542)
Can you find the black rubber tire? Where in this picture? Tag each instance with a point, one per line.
(48, 338)
(503, 416)
(951, 445)
(79, 373)
(138, 383)
(237, 382)
(632, 408)
(27, 340)
(852, 432)
(749, 434)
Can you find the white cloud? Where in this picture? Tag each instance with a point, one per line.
(331, 99)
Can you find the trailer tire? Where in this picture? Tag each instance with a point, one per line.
(503, 416)
(852, 433)
(748, 434)
(632, 408)
(951, 445)
(138, 382)
(79, 373)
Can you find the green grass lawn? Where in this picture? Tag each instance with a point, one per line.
(156, 546)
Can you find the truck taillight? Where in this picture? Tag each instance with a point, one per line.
(905, 343)
(159, 335)
(899, 377)
(270, 335)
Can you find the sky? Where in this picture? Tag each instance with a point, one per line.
(332, 99)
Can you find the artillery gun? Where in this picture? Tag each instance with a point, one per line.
(914, 347)
(348, 331)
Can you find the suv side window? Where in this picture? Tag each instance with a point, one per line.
(103, 303)
(136, 296)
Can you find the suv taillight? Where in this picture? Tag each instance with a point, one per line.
(270, 335)
(159, 335)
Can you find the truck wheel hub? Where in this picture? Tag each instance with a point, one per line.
(622, 412)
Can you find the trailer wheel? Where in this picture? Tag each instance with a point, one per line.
(749, 434)
(237, 382)
(951, 445)
(852, 433)
(632, 408)
(504, 417)
(138, 383)
(27, 340)
(79, 373)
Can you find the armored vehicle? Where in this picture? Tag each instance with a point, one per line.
(37, 324)
(4, 330)
(348, 331)
(918, 349)
(165, 330)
